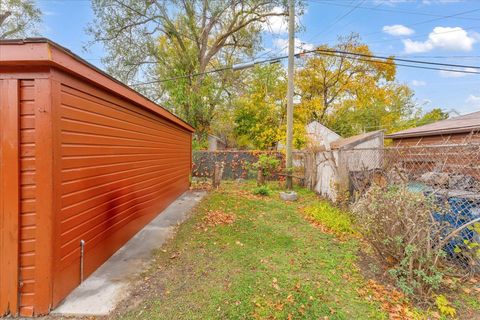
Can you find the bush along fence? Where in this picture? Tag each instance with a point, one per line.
(406, 195)
(236, 164)
(446, 178)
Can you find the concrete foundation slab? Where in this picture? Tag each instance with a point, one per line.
(100, 293)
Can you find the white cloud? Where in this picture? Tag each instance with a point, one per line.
(452, 74)
(472, 103)
(444, 38)
(299, 45)
(416, 46)
(277, 24)
(398, 30)
(418, 83)
(473, 99)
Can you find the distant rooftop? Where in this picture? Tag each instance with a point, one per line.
(461, 124)
(350, 142)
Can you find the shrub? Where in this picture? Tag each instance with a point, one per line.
(332, 218)
(262, 191)
(444, 306)
(400, 227)
(266, 166)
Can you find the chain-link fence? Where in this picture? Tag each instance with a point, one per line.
(447, 175)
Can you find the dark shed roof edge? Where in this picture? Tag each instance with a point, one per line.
(437, 132)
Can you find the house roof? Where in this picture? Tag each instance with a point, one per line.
(351, 142)
(466, 123)
(44, 52)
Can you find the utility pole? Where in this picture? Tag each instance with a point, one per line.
(291, 53)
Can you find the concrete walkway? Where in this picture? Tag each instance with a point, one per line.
(108, 285)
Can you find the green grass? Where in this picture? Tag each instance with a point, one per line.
(262, 191)
(471, 301)
(271, 263)
(333, 218)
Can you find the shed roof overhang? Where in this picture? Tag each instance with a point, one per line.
(436, 132)
(44, 52)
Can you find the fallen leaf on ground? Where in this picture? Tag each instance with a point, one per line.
(217, 217)
(392, 301)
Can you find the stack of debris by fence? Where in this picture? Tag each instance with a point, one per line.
(236, 164)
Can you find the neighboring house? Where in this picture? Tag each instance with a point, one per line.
(455, 130)
(215, 143)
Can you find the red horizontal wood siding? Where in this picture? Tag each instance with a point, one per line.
(83, 157)
(28, 186)
(119, 166)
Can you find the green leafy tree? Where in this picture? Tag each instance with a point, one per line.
(327, 82)
(423, 118)
(19, 19)
(260, 109)
(162, 39)
(352, 94)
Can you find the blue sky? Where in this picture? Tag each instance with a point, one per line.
(446, 31)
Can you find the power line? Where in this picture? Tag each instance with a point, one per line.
(398, 59)
(410, 63)
(456, 29)
(358, 6)
(336, 4)
(403, 64)
(349, 23)
(340, 18)
(429, 20)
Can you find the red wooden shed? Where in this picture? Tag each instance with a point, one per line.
(84, 158)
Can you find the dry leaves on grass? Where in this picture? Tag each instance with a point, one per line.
(201, 185)
(392, 301)
(217, 217)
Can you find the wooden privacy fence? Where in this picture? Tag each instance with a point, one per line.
(236, 164)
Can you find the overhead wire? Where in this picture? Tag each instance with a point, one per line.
(418, 64)
(426, 21)
(376, 8)
(338, 19)
(358, 6)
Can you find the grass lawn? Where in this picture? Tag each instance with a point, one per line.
(242, 256)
